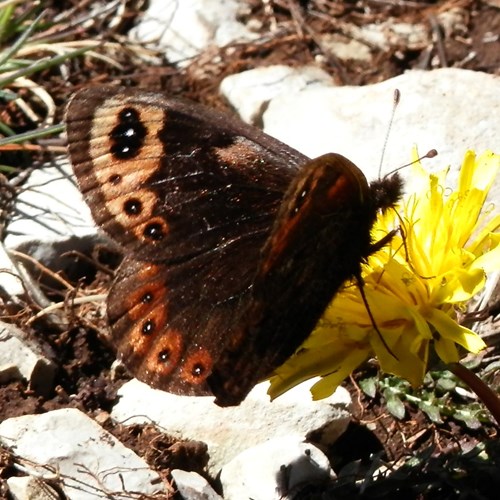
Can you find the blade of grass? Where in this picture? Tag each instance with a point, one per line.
(5, 21)
(8, 54)
(35, 8)
(7, 169)
(6, 130)
(33, 134)
(42, 65)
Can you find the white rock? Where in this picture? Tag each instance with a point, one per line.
(250, 91)
(453, 21)
(184, 29)
(191, 486)
(22, 358)
(345, 48)
(89, 461)
(30, 488)
(50, 216)
(450, 110)
(11, 285)
(229, 431)
(390, 34)
(272, 470)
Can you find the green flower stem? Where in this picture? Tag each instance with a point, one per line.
(485, 393)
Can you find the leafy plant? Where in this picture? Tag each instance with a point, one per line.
(441, 396)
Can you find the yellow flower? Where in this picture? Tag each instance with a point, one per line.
(414, 286)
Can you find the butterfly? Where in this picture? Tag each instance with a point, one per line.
(234, 243)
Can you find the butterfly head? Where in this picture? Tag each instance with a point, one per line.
(386, 192)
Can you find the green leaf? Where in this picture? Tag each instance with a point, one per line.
(432, 411)
(396, 407)
(445, 384)
(369, 386)
(468, 417)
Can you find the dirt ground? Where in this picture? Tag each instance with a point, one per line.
(461, 33)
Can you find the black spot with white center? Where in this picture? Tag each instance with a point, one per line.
(132, 206)
(300, 200)
(148, 327)
(164, 356)
(147, 298)
(198, 370)
(128, 136)
(115, 179)
(154, 231)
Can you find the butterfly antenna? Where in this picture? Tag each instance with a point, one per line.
(372, 319)
(430, 154)
(395, 102)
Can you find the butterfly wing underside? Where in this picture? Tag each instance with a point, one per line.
(191, 195)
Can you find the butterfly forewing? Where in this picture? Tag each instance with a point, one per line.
(169, 180)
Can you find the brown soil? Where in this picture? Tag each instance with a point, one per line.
(84, 378)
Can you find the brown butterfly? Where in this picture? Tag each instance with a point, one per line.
(234, 242)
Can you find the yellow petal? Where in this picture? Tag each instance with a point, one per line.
(451, 330)
(490, 260)
(411, 358)
(446, 350)
(339, 360)
(459, 285)
(330, 381)
(479, 173)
